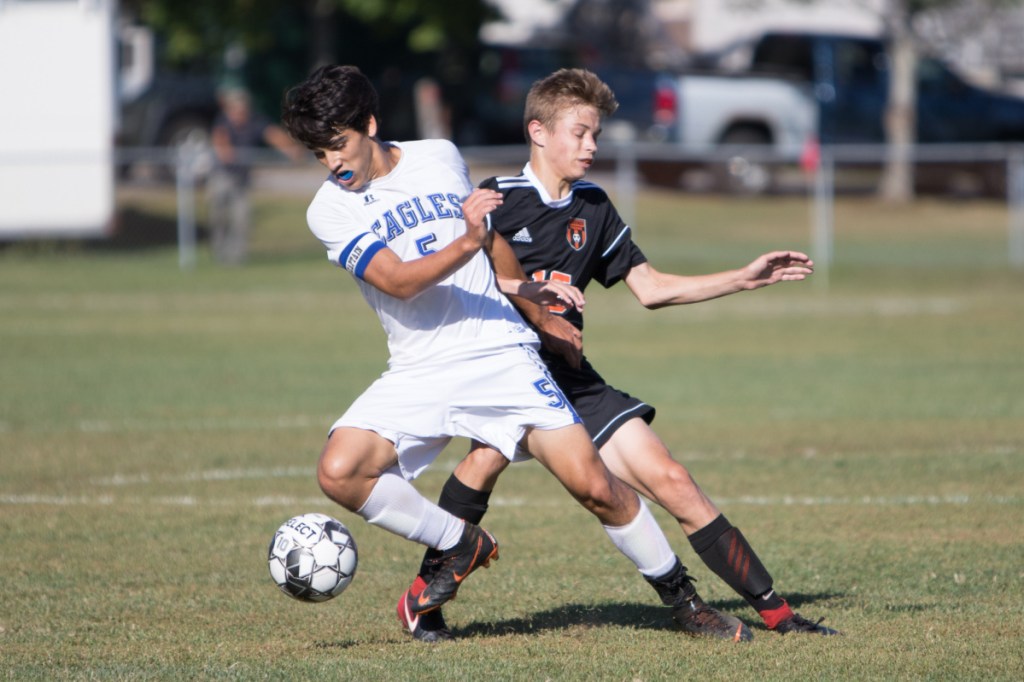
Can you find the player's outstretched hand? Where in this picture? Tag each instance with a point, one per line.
(778, 266)
(475, 209)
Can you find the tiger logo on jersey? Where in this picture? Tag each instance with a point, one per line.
(576, 233)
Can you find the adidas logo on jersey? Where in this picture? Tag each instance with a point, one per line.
(523, 235)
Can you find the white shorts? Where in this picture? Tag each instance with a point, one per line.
(492, 398)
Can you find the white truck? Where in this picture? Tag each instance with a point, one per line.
(58, 119)
(744, 110)
(747, 122)
(68, 70)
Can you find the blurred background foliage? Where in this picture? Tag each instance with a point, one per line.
(271, 44)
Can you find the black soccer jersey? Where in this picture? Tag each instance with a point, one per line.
(574, 240)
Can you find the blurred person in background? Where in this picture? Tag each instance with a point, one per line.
(237, 131)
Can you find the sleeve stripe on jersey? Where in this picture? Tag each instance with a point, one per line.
(618, 239)
(512, 181)
(359, 252)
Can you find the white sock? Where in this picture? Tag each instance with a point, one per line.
(644, 543)
(396, 506)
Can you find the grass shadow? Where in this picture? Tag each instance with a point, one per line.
(339, 645)
(619, 614)
(132, 231)
(622, 614)
(136, 230)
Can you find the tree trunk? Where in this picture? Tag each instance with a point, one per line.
(321, 33)
(897, 182)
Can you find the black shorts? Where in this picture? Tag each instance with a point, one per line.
(602, 408)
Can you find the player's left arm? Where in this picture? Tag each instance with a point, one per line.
(656, 289)
(556, 333)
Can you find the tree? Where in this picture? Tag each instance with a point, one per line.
(271, 44)
(201, 30)
(900, 124)
(900, 19)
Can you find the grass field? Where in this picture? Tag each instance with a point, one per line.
(868, 436)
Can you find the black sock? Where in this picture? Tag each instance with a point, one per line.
(460, 500)
(725, 551)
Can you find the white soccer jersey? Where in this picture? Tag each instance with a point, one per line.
(414, 210)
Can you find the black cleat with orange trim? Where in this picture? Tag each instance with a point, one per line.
(475, 548)
(695, 617)
(797, 623)
(424, 627)
(700, 620)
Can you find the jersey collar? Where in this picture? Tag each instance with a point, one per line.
(544, 196)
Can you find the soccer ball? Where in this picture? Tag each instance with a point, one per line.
(312, 557)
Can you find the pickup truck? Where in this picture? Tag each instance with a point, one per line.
(845, 81)
(743, 119)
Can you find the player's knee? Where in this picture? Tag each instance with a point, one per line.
(677, 478)
(598, 493)
(680, 495)
(482, 465)
(336, 473)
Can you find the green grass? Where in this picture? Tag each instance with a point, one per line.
(157, 425)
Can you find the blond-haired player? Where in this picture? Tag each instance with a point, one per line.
(564, 228)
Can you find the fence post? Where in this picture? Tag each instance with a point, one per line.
(1015, 207)
(626, 181)
(186, 161)
(824, 216)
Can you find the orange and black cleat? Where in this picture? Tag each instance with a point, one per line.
(691, 613)
(424, 627)
(700, 620)
(475, 548)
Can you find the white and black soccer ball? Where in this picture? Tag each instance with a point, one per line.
(312, 557)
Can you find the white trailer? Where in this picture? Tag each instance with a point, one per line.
(58, 117)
